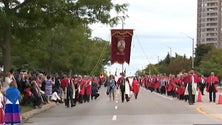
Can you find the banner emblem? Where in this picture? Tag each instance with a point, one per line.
(121, 45)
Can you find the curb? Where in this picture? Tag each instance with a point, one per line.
(25, 116)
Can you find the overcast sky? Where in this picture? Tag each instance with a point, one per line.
(160, 27)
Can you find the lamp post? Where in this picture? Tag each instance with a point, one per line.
(192, 53)
(192, 65)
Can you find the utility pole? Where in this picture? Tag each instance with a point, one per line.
(192, 64)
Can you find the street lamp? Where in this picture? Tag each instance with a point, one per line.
(192, 65)
(192, 50)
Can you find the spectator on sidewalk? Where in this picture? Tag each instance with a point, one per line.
(36, 94)
(48, 87)
(2, 105)
(28, 96)
(8, 79)
(55, 96)
(12, 107)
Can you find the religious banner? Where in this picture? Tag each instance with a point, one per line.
(121, 45)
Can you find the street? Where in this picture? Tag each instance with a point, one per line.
(149, 109)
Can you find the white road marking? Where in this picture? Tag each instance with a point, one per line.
(114, 117)
(116, 107)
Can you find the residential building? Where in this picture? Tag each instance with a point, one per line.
(209, 22)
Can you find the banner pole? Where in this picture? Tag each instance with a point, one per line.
(122, 29)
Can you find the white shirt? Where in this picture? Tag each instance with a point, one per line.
(55, 96)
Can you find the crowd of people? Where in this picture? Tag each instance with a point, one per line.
(37, 89)
(183, 86)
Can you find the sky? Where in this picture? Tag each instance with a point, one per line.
(160, 27)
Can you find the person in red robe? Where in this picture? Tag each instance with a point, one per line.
(191, 79)
(212, 81)
(202, 84)
(135, 87)
(87, 89)
(81, 88)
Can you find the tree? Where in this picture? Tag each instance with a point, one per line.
(170, 65)
(23, 20)
(200, 51)
(64, 49)
(211, 62)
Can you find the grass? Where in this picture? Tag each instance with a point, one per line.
(25, 108)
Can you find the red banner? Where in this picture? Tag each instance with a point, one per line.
(121, 45)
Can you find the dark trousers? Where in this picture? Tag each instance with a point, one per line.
(80, 98)
(136, 94)
(37, 101)
(86, 98)
(212, 93)
(122, 90)
(69, 98)
(76, 97)
(202, 86)
(122, 95)
(95, 96)
(191, 96)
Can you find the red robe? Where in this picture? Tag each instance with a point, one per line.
(214, 80)
(135, 86)
(158, 84)
(88, 87)
(64, 82)
(188, 77)
(81, 87)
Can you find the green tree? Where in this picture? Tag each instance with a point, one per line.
(170, 65)
(200, 51)
(179, 64)
(212, 62)
(63, 49)
(24, 20)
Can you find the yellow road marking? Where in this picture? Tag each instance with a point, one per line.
(200, 110)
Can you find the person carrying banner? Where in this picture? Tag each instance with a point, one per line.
(121, 85)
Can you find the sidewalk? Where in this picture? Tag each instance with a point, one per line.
(210, 108)
(25, 116)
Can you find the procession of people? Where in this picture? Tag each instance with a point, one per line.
(39, 89)
(184, 86)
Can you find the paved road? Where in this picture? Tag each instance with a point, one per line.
(148, 109)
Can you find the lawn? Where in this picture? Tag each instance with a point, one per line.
(25, 108)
